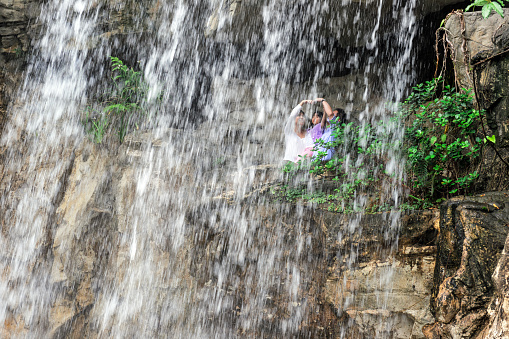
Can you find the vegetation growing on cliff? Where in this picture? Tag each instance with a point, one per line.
(441, 145)
(124, 107)
(356, 169)
(487, 6)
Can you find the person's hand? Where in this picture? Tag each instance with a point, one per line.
(319, 100)
(305, 102)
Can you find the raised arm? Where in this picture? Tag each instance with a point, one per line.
(290, 123)
(326, 107)
(323, 124)
(327, 110)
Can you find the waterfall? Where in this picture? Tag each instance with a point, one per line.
(185, 253)
(40, 135)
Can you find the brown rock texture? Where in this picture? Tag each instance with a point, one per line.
(15, 36)
(478, 49)
(358, 282)
(498, 325)
(20, 30)
(401, 280)
(472, 234)
(322, 295)
(121, 25)
(479, 55)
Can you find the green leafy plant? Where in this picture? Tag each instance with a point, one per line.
(442, 143)
(125, 106)
(287, 193)
(97, 126)
(491, 139)
(488, 6)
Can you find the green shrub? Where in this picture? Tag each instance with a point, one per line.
(125, 106)
(441, 142)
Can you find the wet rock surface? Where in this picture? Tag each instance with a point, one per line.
(498, 324)
(332, 275)
(122, 28)
(472, 234)
(324, 280)
(243, 21)
(311, 287)
(479, 54)
(357, 293)
(15, 36)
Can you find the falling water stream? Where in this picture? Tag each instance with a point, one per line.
(179, 255)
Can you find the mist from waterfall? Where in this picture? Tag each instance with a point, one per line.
(220, 118)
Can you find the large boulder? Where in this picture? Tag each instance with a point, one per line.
(472, 234)
(478, 49)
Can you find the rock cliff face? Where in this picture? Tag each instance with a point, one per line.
(324, 297)
(208, 270)
(228, 26)
(470, 285)
(85, 250)
(472, 235)
(243, 21)
(478, 48)
(15, 42)
(497, 311)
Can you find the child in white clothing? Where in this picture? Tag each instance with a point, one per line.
(297, 139)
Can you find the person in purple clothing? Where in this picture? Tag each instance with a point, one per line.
(316, 131)
(329, 114)
(336, 116)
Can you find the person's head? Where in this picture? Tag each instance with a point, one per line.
(340, 114)
(300, 121)
(317, 118)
